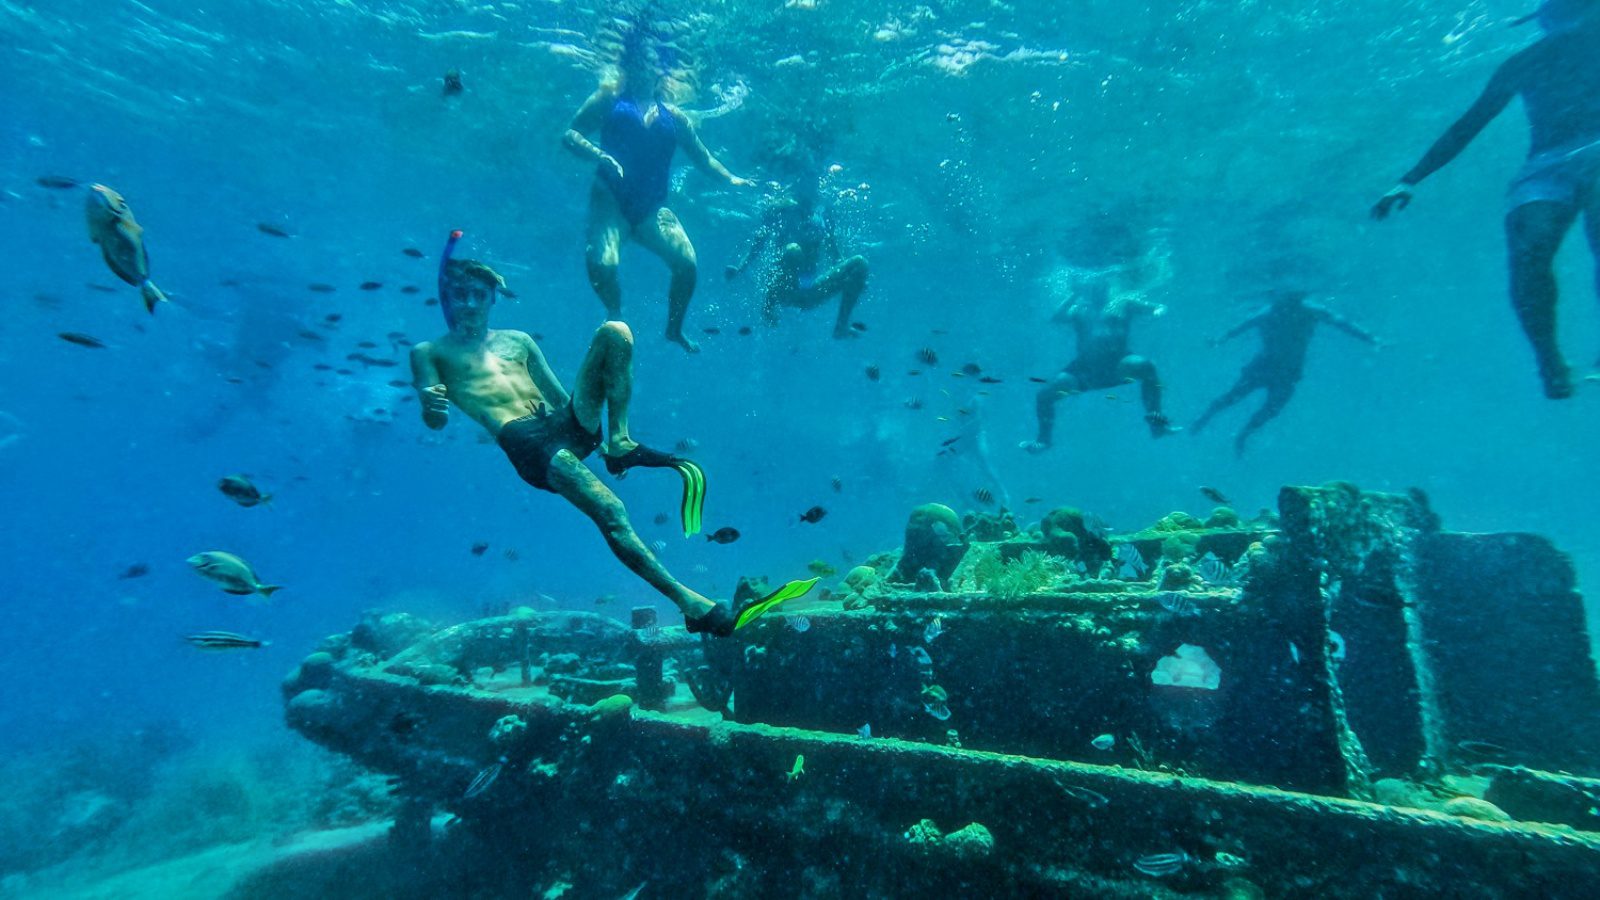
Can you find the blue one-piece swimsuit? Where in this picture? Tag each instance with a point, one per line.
(645, 154)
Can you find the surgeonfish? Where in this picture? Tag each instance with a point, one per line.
(231, 573)
(242, 491)
(121, 240)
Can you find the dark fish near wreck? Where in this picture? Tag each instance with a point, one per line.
(274, 230)
(410, 289)
(983, 496)
(838, 485)
(366, 360)
(56, 182)
(1214, 495)
(82, 340)
(479, 548)
(371, 285)
(137, 570)
(723, 536)
(318, 287)
(927, 357)
(412, 252)
(242, 491)
(874, 373)
(813, 515)
(223, 640)
(121, 242)
(660, 519)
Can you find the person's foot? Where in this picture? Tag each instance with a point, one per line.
(717, 622)
(618, 447)
(1557, 380)
(1160, 426)
(678, 337)
(1034, 447)
(844, 333)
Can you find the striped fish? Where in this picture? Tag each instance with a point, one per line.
(1131, 565)
(223, 640)
(1160, 865)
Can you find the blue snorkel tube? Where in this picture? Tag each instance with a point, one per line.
(444, 280)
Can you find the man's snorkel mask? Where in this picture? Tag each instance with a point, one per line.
(454, 276)
(1559, 17)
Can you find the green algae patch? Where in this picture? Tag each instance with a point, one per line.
(616, 706)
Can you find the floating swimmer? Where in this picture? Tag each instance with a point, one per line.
(121, 240)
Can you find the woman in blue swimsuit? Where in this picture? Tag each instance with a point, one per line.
(639, 131)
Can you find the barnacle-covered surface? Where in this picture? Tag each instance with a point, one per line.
(1057, 711)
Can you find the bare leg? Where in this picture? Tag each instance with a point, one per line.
(572, 480)
(605, 378)
(1278, 396)
(1533, 235)
(1240, 390)
(1137, 368)
(664, 236)
(1044, 406)
(604, 249)
(1591, 231)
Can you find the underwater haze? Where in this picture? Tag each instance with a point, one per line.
(991, 161)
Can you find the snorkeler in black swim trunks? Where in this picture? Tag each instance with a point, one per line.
(1103, 323)
(1286, 326)
(1559, 82)
(501, 379)
(639, 131)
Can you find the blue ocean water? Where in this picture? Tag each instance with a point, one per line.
(974, 150)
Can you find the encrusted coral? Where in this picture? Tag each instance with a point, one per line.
(983, 570)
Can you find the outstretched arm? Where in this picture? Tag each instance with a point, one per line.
(765, 232)
(1502, 87)
(587, 121)
(1252, 322)
(695, 149)
(430, 390)
(1329, 317)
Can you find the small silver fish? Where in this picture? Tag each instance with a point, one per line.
(484, 780)
(223, 640)
(921, 657)
(939, 711)
(1336, 643)
(658, 546)
(894, 651)
(1104, 742)
(799, 624)
(934, 629)
(1160, 865)
(865, 732)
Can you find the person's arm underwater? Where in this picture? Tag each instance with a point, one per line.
(1329, 317)
(1502, 87)
(1253, 321)
(765, 232)
(695, 149)
(425, 378)
(543, 377)
(587, 121)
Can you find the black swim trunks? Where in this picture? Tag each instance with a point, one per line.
(532, 441)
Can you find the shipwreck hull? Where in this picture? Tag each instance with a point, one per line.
(1001, 783)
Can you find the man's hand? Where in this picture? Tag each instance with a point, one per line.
(434, 401)
(738, 182)
(608, 163)
(1398, 198)
(731, 272)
